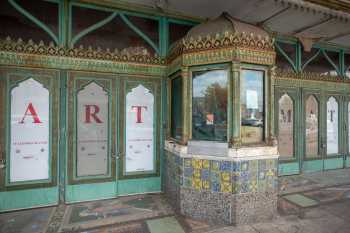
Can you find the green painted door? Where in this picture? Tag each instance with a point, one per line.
(29, 138)
(113, 136)
(92, 145)
(323, 127)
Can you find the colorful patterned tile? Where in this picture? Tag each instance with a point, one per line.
(187, 182)
(270, 173)
(205, 185)
(225, 165)
(205, 164)
(244, 188)
(262, 185)
(235, 176)
(205, 175)
(197, 184)
(187, 162)
(262, 175)
(253, 166)
(236, 166)
(244, 166)
(196, 173)
(225, 177)
(215, 177)
(244, 176)
(197, 163)
(215, 187)
(226, 187)
(262, 165)
(236, 187)
(270, 163)
(253, 186)
(214, 165)
(188, 172)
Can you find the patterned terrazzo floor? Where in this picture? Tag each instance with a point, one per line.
(309, 203)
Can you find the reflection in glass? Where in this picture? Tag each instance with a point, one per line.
(209, 105)
(176, 108)
(332, 126)
(252, 106)
(349, 125)
(92, 131)
(285, 126)
(311, 123)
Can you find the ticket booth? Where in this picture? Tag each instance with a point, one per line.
(221, 152)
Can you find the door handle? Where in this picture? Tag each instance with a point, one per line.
(2, 163)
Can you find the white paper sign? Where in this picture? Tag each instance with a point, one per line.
(332, 126)
(30, 128)
(139, 130)
(252, 99)
(92, 127)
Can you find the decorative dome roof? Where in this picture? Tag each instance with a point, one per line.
(224, 24)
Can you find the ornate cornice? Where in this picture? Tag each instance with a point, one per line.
(51, 56)
(222, 47)
(290, 74)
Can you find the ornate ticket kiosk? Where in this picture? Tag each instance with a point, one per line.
(221, 154)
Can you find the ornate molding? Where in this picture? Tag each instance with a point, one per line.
(225, 47)
(290, 74)
(52, 56)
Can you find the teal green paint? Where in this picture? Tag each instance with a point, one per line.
(164, 225)
(183, 22)
(139, 32)
(342, 63)
(311, 59)
(281, 51)
(312, 166)
(62, 155)
(136, 186)
(347, 161)
(9, 88)
(92, 28)
(63, 22)
(163, 36)
(285, 169)
(89, 192)
(331, 62)
(298, 62)
(333, 163)
(34, 20)
(22, 199)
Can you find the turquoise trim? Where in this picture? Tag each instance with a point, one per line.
(312, 166)
(62, 159)
(139, 32)
(137, 186)
(34, 20)
(311, 59)
(335, 163)
(330, 61)
(12, 200)
(285, 169)
(279, 49)
(93, 28)
(183, 22)
(90, 192)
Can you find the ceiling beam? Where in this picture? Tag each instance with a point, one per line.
(300, 30)
(261, 23)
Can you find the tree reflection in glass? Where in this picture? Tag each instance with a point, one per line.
(332, 126)
(285, 127)
(311, 123)
(209, 105)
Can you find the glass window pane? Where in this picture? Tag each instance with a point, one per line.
(311, 123)
(176, 108)
(285, 126)
(29, 132)
(92, 131)
(252, 106)
(139, 130)
(349, 125)
(209, 105)
(332, 126)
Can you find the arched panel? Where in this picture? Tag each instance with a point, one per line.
(285, 126)
(29, 132)
(311, 127)
(332, 126)
(92, 131)
(139, 131)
